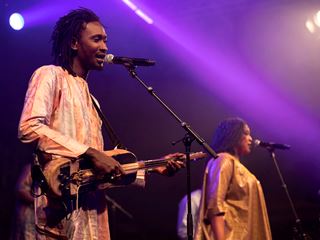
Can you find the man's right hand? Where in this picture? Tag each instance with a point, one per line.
(104, 164)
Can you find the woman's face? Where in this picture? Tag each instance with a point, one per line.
(244, 146)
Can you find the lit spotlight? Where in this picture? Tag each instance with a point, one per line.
(16, 21)
(313, 24)
(310, 26)
(316, 18)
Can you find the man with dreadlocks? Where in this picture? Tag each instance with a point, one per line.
(232, 205)
(59, 115)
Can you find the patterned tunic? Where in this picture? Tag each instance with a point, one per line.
(230, 189)
(59, 115)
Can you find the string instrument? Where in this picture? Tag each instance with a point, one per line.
(72, 176)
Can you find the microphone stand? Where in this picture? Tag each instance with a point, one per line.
(187, 140)
(190, 136)
(299, 234)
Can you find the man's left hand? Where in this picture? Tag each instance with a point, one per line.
(173, 165)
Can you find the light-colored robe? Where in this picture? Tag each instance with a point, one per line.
(58, 113)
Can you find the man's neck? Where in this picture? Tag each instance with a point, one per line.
(79, 70)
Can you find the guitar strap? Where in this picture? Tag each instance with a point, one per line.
(38, 179)
(114, 139)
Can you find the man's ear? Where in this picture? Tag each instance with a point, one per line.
(74, 44)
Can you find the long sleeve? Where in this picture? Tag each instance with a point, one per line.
(51, 115)
(219, 176)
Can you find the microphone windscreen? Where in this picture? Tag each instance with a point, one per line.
(256, 142)
(109, 58)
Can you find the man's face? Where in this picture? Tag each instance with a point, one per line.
(91, 47)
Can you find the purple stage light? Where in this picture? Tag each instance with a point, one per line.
(218, 66)
(46, 13)
(16, 21)
(144, 16)
(138, 11)
(130, 5)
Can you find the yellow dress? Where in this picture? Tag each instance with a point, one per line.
(230, 189)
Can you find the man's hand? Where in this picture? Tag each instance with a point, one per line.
(104, 164)
(172, 166)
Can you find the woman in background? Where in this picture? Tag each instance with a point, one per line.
(232, 204)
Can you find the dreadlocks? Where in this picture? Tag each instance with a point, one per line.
(228, 134)
(68, 29)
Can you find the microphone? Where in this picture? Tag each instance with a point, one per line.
(271, 145)
(111, 59)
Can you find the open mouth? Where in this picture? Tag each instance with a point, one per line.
(100, 58)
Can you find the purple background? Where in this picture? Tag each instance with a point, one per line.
(249, 58)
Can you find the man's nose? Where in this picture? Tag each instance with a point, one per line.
(104, 47)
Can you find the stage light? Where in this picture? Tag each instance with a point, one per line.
(16, 21)
(310, 26)
(138, 11)
(130, 4)
(316, 18)
(313, 24)
(144, 16)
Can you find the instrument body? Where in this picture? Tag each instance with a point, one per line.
(67, 176)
